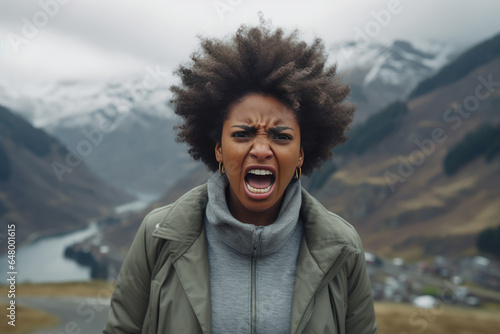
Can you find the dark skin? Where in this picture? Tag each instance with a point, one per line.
(260, 133)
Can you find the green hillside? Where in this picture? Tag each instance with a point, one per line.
(488, 241)
(485, 140)
(363, 137)
(374, 129)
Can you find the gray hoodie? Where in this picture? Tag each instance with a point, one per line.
(252, 268)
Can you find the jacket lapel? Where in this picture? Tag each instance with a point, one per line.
(320, 249)
(183, 228)
(308, 276)
(193, 271)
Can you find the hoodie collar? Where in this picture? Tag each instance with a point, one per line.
(248, 238)
(183, 224)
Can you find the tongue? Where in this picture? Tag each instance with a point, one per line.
(259, 181)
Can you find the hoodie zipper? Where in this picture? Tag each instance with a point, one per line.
(255, 254)
(253, 328)
(343, 256)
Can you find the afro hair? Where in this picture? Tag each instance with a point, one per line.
(265, 61)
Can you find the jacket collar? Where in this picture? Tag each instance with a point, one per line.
(323, 250)
(182, 227)
(323, 240)
(183, 223)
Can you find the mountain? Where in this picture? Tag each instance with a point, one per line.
(480, 54)
(126, 127)
(397, 192)
(390, 179)
(380, 74)
(74, 104)
(43, 188)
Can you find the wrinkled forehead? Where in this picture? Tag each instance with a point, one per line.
(262, 111)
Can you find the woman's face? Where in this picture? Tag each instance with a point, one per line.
(260, 149)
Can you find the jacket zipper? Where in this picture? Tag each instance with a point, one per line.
(344, 254)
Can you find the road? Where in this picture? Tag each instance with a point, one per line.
(78, 315)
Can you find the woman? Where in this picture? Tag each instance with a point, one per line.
(250, 251)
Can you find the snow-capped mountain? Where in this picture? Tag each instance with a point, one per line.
(78, 103)
(122, 128)
(139, 152)
(383, 73)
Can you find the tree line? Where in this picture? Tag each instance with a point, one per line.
(484, 141)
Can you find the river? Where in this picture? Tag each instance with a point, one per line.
(44, 261)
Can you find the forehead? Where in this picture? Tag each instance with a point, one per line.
(263, 110)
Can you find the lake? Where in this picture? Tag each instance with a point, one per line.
(44, 261)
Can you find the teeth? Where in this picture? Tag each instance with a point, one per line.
(260, 172)
(258, 191)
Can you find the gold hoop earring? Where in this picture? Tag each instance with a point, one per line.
(222, 171)
(298, 173)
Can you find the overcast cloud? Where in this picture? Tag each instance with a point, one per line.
(98, 39)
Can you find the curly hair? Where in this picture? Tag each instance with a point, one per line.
(258, 60)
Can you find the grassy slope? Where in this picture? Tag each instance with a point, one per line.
(27, 320)
(395, 318)
(79, 289)
(429, 208)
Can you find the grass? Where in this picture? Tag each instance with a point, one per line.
(27, 320)
(79, 289)
(396, 318)
(392, 318)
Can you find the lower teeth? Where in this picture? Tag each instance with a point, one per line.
(258, 191)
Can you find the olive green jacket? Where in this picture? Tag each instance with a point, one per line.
(164, 284)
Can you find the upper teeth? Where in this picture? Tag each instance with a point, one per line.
(260, 172)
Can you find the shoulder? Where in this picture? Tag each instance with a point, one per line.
(349, 232)
(158, 215)
(167, 223)
(184, 214)
(323, 224)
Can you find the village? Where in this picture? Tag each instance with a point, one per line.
(464, 282)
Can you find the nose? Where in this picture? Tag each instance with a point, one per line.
(261, 150)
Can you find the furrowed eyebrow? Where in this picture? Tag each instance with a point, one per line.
(251, 129)
(280, 128)
(276, 129)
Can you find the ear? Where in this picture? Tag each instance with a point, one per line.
(218, 152)
(301, 158)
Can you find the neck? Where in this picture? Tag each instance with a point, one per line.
(263, 218)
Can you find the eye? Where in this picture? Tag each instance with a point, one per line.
(240, 134)
(282, 136)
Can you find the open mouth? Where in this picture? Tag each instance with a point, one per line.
(259, 181)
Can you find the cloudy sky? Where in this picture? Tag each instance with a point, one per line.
(71, 39)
